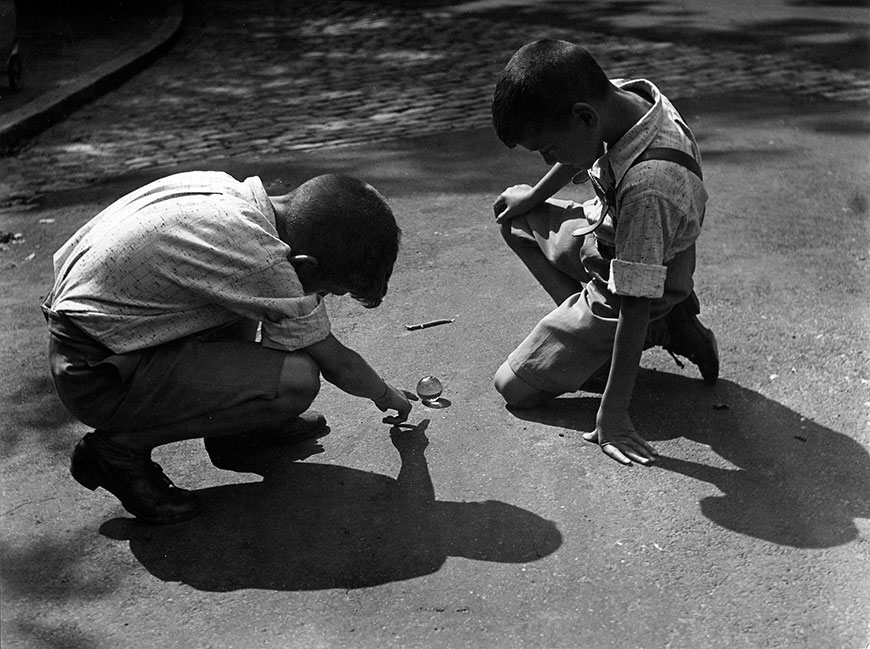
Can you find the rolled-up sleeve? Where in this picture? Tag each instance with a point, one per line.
(643, 239)
(290, 319)
(297, 332)
(636, 279)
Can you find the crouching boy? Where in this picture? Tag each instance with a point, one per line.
(193, 308)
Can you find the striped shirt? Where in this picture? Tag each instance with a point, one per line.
(182, 255)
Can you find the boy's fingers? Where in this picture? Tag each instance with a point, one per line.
(643, 447)
(612, 451)
(640, 458)
(410, 396)
(626, 451)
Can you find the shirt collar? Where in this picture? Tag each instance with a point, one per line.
(260, 198)
(621, 155)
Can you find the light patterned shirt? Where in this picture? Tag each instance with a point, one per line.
(659, 205)
(179, 256)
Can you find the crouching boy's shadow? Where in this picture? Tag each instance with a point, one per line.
(784, 479)
(312, 526)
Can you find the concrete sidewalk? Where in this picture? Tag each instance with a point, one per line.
(751, 531)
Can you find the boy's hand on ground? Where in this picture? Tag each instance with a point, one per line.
(620, 441)
(512, 202)
(394, 399)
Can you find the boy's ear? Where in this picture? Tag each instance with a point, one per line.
(302, 261)
(306, 270)
(585, 113)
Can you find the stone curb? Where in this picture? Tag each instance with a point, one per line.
(53, 106)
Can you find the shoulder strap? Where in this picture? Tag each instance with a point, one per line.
(670, 155)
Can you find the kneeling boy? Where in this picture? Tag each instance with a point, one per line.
(619, 267)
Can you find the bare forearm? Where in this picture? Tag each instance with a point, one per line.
(350, 372)
(627, 350)
(614, 430)
(346, 369)
(555, 179)
(519, 199)
(355, 376)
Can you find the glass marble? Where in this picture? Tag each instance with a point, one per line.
(429, 389)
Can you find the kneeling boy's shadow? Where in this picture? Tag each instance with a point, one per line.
(794, 482)
(310, 526)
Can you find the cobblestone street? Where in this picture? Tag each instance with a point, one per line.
(285, 79)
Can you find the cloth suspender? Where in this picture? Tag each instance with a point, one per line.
(671, 155)
(608, 196)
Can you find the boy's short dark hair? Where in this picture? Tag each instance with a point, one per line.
(348, 227)
(540, 84)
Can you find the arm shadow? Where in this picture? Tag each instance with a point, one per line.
(792, 481)
(309, 526)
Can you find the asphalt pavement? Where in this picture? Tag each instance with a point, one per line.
(485, 528)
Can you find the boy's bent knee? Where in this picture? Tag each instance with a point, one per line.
(516, 237)
(515, 391)
(300, 379)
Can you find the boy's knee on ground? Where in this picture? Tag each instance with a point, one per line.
(516, 392)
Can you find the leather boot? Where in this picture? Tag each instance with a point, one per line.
(133, 478)
(687, 337)
(231, 452)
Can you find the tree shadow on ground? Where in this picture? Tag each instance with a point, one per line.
(35, 412)
(793, 481)
(678, 24)
(311, 526)
(49, 572)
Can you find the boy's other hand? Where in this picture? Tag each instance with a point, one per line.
(620, 441)
(394, 399)
(512, 202)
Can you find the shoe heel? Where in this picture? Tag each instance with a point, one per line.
(83, 469)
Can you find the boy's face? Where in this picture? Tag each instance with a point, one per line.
(322, 287)
(577, 142)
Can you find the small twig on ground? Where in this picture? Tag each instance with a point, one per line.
(426, 325)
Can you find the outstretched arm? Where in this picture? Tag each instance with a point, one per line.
(348, 371)
(614, 430)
